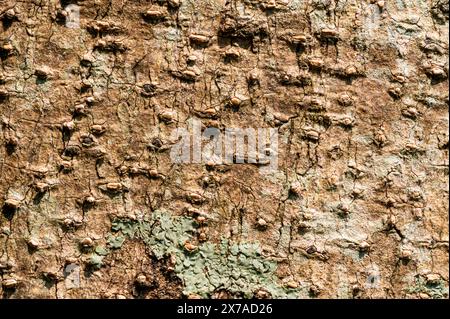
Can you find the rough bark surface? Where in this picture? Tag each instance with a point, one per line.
(94, 207)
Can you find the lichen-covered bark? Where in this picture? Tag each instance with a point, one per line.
(358, 91)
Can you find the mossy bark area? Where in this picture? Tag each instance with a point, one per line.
(356, 90)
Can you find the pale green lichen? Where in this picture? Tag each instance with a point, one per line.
(115, 242)
(235, 267)
(95, 261)
(101, 251)
(436, 290)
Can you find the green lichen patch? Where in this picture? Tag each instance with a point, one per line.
(115, 242)
(101, 251)
(95, 261)
(235, 267)
(436, 290)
